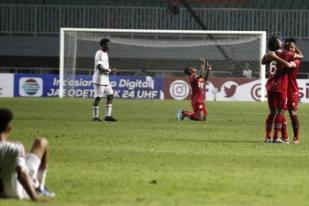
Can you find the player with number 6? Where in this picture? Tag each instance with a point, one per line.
(279, 62)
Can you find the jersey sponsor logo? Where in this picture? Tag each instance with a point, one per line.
(179, 89)
(30, 86)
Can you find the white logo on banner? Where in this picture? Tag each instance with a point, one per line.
(30, 87)
(179, 89)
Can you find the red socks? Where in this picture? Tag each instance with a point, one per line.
(191, 115)
(295, 124)
(187, 114)
(269, 125)
(277, 125)
(284, 131)
(280, 125)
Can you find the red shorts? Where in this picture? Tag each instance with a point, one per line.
(277, 100)
(293, 99)
(199, 107)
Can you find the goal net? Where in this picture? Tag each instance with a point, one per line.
(160, 54)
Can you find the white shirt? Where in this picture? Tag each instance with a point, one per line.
(101, 77)
(247, 73)
(11, 155)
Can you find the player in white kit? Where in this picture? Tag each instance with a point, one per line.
(101, 83)
(22, 175)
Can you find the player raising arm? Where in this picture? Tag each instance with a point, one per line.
(21, 176)
(197, 82)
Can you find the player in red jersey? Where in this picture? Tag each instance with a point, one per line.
(197, 83)
(280, 62)
(293, 95)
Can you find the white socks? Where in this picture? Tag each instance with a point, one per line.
(42, 177)
(108, 110)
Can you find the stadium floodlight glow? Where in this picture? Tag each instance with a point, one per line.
(163, 50)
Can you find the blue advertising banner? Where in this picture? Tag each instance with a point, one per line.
(125, 87)
(130, 87)
(32, 85)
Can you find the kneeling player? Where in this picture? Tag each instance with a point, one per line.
(197, 83)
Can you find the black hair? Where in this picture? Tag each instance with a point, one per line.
(187, 71)
(104, 41)
(5, 118)
(288, 40)
(273, 43)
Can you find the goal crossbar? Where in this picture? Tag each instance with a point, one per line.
(262, 49)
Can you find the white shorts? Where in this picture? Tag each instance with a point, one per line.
(33, 163)
(101, 90)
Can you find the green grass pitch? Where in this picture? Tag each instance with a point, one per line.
(148, 158)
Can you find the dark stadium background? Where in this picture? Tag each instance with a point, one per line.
(29, 29)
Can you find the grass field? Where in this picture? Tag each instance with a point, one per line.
(147, 158)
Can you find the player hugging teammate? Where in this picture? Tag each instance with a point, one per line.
(282, 89)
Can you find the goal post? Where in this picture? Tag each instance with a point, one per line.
(162, 52)
(263, 67)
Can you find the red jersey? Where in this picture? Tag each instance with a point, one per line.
(292, 75)
(197, 88)
(278, 74)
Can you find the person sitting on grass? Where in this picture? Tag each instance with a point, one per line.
(22, 175)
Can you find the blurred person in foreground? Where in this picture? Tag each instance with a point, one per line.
(22, 175)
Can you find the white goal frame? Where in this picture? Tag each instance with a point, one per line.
(262, 47)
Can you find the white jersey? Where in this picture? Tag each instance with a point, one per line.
(11, 155)
(101, 77)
